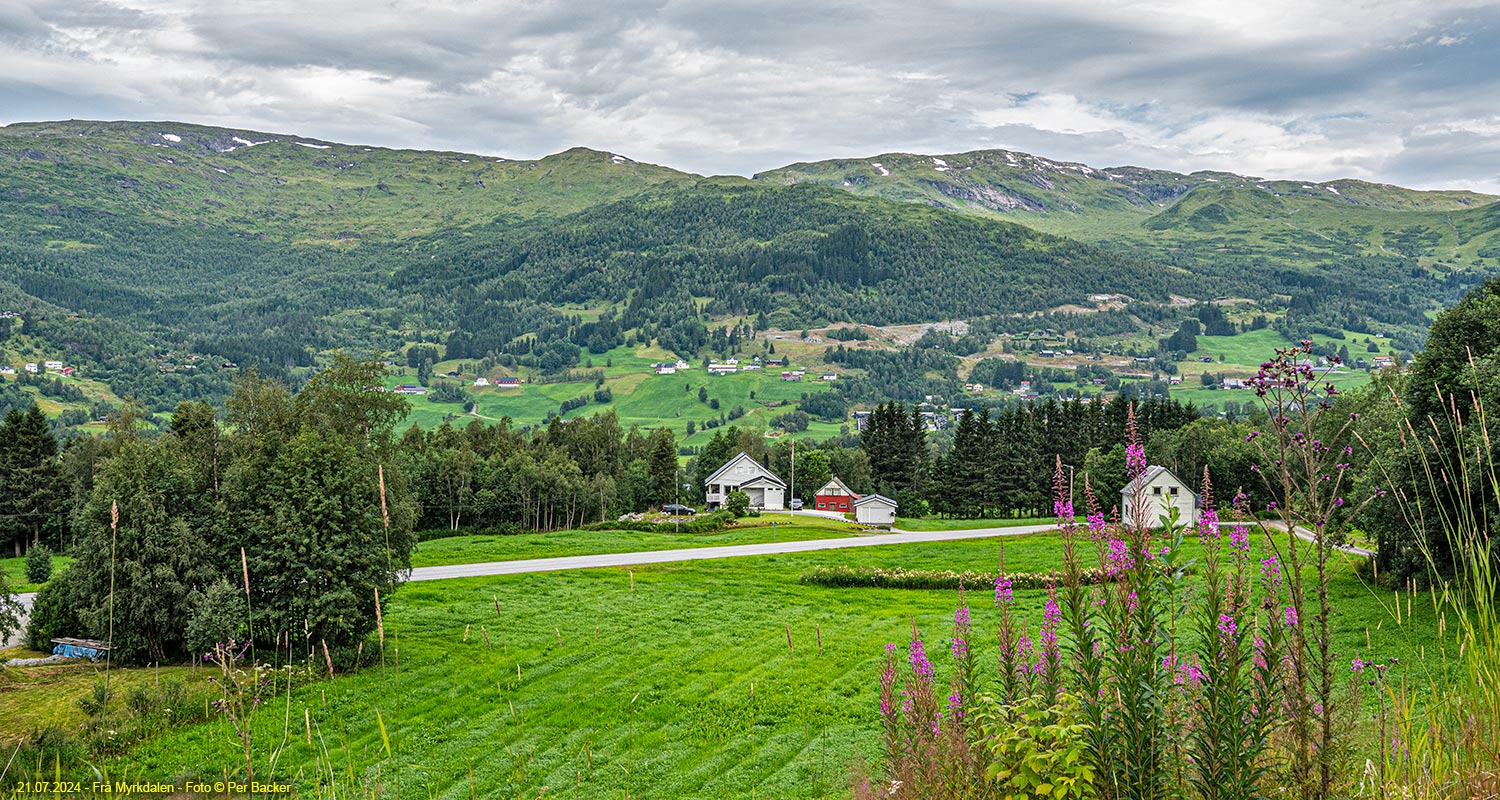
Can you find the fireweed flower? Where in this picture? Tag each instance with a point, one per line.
(1357, 665)
(1135, 458)
(1063, 509)
(919, 663)
(1289, 616)
(1096, 523)
(961, 628)
(956, 705)
(1023, 655)
(1118, 558)
(1239, 539)
(1227, 626)
(1003, 593)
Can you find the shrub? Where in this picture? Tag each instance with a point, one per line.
(1036, 749)
(737, 503)
(52, 614)
(38, 564)
(217, 615)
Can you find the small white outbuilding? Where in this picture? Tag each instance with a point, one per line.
(874, 509)
(1159, 491)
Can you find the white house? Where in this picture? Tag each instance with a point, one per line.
(7, 369)
(53, 366)
(481, 381)
(1160, 491)
(874, 509)
(745, 474)
(31, 367)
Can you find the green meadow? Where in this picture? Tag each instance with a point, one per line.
(694, 679)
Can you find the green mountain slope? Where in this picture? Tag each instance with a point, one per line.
(128, 246)
(1155, 208)
(296, 188)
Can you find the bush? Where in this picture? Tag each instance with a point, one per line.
(217, 614)
(38, 564)
(737, 503)
(1037, 749)
(52, 614)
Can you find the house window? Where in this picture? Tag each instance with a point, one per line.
(1156, 490)
(843, 506)
(1174, 491)
(822, 505)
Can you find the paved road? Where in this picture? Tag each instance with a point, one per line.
(700, 553)
(26, 600)
(733, 551)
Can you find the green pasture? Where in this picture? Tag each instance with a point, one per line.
(665, 681)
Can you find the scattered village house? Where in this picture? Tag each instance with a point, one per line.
(745, 474)
(481, 381)
(835, 496)
(508, 381)
(1160, 491)
(874, 509)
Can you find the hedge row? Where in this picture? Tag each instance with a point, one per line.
(711, 523)
(882, 578)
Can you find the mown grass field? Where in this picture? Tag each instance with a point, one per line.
(14, 570)
(668, 681)
(490, 547)
(940, 524)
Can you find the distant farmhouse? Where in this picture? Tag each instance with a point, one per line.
(745, 474)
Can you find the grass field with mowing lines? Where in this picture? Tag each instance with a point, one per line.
(664, 681)
(484, 547)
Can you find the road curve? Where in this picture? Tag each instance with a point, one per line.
(701, 553)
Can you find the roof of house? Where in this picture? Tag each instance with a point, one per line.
(873, 498)
(1150, 475)
(743, 456)
(835, 483)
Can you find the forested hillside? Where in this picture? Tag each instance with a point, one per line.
(161, 257)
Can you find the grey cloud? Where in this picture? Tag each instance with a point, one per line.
(719, 87)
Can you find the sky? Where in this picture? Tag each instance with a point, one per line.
(1394, 91)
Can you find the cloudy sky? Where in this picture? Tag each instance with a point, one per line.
(1401, 91)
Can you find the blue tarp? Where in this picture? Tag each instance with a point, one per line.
(78, 651)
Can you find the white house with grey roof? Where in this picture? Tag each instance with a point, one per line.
(745, 474)
(1159, 491)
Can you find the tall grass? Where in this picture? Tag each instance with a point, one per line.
(1444, 740)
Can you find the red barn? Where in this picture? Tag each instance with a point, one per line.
(835, 496)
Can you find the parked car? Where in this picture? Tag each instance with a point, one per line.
(796, 504)
(678, 510)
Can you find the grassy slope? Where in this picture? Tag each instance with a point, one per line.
(1168, 210)
(335, 194)
(640, 397)
(676, 682)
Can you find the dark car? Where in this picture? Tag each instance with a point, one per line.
(675, 509)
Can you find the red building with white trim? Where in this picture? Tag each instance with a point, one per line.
(836, 497)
